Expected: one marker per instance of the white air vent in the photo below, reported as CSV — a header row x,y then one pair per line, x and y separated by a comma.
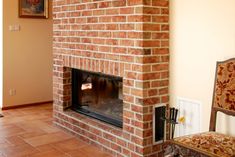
x,y
191,110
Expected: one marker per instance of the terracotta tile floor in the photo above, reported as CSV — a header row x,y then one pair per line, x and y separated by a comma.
x,y
29,132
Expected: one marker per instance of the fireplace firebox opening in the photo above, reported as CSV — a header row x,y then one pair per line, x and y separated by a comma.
x,y
98,95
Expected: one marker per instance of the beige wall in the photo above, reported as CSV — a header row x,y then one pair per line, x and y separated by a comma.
x,y
27,56
202,32
1,53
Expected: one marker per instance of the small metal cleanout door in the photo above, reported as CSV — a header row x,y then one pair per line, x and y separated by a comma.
x,y
191,110
159,127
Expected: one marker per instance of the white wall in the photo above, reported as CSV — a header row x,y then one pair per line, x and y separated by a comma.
x,y
27,57
202,32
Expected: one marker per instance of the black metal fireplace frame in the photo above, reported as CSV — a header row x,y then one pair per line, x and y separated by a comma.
x,y
75,102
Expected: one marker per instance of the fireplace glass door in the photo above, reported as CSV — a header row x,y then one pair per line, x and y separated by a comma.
x,y
98,96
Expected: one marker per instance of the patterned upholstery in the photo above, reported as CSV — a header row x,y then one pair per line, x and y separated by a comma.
x,y
210,143
224,94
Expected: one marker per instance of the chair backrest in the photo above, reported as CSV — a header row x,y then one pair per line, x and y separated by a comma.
x,y
224,91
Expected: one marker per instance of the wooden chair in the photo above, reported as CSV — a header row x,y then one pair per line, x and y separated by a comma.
x,y
212,143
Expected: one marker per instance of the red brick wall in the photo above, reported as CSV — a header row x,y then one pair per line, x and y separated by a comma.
x,y
127,38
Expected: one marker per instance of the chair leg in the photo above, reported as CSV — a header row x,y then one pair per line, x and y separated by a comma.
x,y
213,120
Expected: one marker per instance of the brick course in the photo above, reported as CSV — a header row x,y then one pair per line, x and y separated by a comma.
x,y
126,38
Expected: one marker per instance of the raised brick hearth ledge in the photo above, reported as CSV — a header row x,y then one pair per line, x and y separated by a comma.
x,y
126,38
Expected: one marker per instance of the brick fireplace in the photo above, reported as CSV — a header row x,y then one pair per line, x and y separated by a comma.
x,y
124,38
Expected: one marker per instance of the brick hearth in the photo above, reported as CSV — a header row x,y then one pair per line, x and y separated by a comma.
x,y
126,38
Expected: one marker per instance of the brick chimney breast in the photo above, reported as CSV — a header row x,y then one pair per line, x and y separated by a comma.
x,y
125,38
